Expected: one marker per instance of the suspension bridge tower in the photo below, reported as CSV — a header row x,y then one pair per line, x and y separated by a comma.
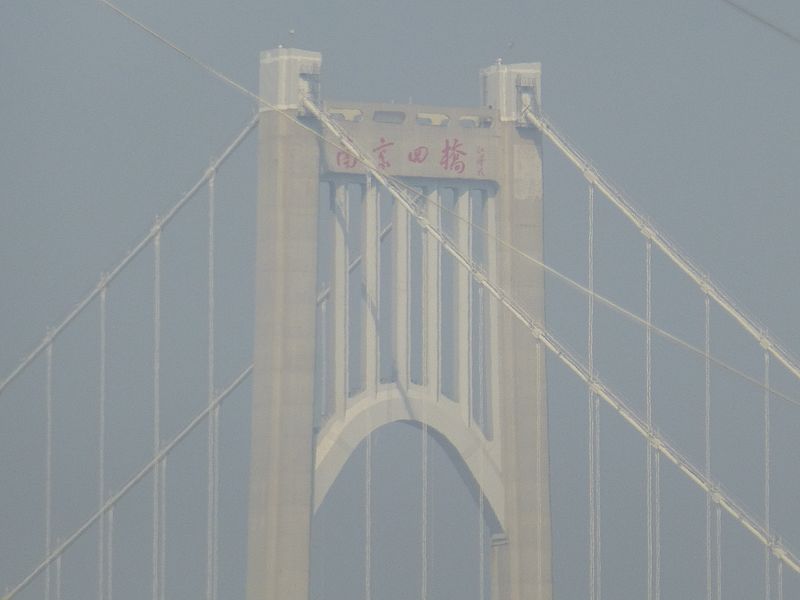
x,y
364,318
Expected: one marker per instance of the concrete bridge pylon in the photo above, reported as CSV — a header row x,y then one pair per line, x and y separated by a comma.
x,y
363,320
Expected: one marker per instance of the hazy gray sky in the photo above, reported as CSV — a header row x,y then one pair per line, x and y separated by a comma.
x,y
688,106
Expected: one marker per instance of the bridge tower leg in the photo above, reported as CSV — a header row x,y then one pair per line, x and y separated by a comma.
x,y
282,419
521,559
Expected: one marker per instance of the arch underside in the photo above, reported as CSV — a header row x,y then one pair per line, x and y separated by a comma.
x,y
343,433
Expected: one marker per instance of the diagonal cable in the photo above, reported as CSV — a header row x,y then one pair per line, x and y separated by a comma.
x,y
785,33
670,250
131,483
551,343
654,438
591,172
587,168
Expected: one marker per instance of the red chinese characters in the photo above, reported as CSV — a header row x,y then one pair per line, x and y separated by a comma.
x,y
453,156
480,161
382,150
345,159
418,154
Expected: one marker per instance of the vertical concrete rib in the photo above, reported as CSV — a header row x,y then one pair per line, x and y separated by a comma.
x,y
369,253
432,297
463,281
401,308
340,350
494,313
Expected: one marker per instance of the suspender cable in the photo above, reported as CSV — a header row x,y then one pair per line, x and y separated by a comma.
x,y
481,541
649,414
428,377
48,465
162,550
368,520
590,441
156,407
594,593
565,356
324,408
58,578
101,454
481,419
424,528
767,551
657,525
370,206
210,393
707,430
590,281
540,429
780,580
110,555
597,513
213,418
718,553
654,457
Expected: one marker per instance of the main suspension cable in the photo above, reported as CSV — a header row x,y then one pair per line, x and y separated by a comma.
x,y
107,278
720,499
588,170
702,280
261,102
